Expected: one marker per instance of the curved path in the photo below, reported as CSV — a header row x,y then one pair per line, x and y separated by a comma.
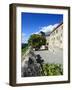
x,y
51,57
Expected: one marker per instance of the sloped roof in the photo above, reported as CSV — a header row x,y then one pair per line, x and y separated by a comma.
x,y
57,27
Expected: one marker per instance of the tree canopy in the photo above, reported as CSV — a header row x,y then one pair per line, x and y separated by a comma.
x,y
36,40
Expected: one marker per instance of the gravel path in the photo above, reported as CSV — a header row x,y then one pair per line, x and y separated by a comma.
x,y
51,57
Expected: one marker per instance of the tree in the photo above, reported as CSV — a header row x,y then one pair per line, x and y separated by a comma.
x,y
36,40
42,33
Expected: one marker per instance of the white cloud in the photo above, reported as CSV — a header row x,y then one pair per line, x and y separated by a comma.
x,y
23,38
23,34
35,32
48,28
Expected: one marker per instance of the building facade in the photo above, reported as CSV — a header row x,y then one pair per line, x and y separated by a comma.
x,y
55,39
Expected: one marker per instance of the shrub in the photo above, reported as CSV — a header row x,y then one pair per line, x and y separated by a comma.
x,y
52,69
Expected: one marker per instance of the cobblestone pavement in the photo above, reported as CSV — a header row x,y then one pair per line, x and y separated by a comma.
x,y
55,57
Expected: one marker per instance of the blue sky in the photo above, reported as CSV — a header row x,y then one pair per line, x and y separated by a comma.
x,y
36,22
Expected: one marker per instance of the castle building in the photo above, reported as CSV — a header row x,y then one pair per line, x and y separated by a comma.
x,y
55,39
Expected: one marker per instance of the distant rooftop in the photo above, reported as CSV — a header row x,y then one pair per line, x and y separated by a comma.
x,y
57,27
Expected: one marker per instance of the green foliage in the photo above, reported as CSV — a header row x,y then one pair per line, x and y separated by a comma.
x,y
52,69
42,33
36,40
24,49
23,45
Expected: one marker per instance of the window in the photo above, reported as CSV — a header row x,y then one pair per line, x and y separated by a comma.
x,y
54,38
58,37
60,41
61,34
62,27
56,31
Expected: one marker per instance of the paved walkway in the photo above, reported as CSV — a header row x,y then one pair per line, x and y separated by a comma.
x,y
51,57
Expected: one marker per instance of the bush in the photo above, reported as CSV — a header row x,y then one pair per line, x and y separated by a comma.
x,y
52,69
24,49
